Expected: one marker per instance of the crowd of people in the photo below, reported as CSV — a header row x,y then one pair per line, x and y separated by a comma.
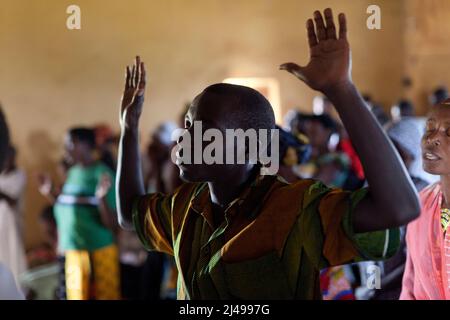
x,y
166,231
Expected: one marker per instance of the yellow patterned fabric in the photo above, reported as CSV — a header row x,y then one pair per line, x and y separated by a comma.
x,y
93,275
445,219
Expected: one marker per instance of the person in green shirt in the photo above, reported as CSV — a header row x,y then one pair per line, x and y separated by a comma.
x,y
238,234
85,218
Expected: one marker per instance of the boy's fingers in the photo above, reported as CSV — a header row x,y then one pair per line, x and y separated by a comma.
x,y
142,78
137,63
342,26
127,77
331,28
133,72
320,26
312,38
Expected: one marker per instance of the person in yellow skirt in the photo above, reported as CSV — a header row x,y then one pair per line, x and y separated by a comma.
x,y
85,217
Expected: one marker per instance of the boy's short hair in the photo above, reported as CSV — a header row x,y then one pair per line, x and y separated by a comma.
x,y
85,135
252,109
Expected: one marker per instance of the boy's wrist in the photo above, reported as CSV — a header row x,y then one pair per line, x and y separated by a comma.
x,y
339,89
130,130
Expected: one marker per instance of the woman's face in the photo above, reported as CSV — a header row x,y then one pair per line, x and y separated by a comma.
x,y
436,141
75,150
318,136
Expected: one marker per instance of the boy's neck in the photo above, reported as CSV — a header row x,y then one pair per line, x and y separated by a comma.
x,y
223,192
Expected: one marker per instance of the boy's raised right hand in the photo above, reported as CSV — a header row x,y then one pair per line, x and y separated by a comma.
x,y
133,95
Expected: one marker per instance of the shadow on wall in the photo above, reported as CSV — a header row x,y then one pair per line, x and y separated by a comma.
x,y
42,156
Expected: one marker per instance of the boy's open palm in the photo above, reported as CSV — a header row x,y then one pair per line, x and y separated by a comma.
x,y
330,62
133,95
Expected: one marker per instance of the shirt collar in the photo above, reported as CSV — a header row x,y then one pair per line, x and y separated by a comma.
x,y
250,197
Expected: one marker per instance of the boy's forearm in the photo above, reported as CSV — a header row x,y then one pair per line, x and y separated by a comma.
x,y
391,189
129,176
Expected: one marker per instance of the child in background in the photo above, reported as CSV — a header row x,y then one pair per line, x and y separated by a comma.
x,y
85,217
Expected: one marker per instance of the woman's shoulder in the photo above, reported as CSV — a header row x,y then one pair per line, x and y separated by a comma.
x,y
430,191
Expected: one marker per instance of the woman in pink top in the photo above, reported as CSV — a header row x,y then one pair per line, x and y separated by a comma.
x,y
427,273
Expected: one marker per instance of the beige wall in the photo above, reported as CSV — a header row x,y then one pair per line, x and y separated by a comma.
x,y
427,47
52,78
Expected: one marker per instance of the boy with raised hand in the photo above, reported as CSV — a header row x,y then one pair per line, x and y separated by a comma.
x,y
236,234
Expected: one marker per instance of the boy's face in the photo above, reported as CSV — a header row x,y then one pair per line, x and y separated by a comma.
x,y
212,111
436,141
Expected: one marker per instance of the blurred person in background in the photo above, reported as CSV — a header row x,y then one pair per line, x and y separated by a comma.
x,y
404,108
106,142
320,129
326,136
12,187
8,285
333,169
427,270
85,217
439,94
292,152
161,173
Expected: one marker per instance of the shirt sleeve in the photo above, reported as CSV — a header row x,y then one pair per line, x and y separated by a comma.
x,y
152,221
329,214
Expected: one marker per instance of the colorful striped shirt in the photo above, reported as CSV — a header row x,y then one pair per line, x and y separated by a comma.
x,y
275,238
